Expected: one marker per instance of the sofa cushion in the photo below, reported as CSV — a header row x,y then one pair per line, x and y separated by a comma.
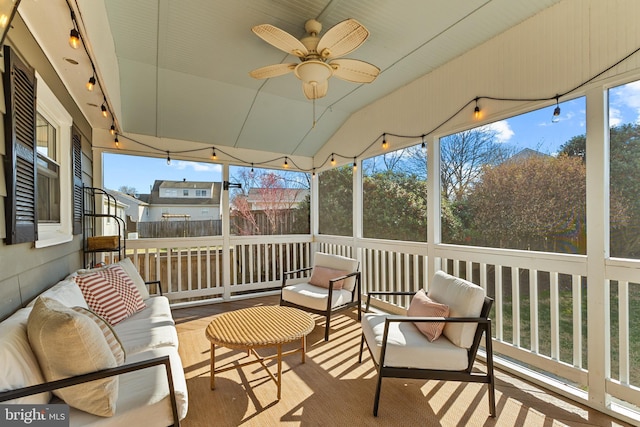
x,y
464,299
423,306
338,262
408,347
321,276
18,363
308,295
109,334
65,291
128,267
68,343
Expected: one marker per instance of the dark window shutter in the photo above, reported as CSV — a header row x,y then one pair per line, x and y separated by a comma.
x,y
77,182
20,159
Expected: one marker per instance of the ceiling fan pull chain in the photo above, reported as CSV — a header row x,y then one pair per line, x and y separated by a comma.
x,y
314,106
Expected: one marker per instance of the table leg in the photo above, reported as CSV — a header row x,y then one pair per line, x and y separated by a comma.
x,y
279,369
304,347
213,366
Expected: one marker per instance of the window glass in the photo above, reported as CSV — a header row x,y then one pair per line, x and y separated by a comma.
x,y
268,201
157,195
48,172
395,195
335,201
517,183
624,170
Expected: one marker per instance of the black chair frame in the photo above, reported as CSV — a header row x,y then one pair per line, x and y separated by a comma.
x,y
467,375
356,297
92,376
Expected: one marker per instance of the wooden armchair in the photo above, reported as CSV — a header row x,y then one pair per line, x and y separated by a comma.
x,y
400,350
334,285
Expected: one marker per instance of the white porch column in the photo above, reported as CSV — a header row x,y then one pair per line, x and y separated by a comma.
x,y
434,235
597,149
226,230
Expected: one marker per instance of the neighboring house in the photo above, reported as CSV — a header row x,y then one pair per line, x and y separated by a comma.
x,y
260,199
135,209
183,200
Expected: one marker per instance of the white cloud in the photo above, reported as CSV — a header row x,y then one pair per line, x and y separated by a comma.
x,y
615,116
502,130
196,167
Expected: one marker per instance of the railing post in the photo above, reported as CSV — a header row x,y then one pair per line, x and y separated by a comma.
x,y
226,231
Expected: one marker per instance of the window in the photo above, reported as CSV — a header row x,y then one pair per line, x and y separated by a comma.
x,y
519,183
394,195
269,202
48,172
335,201
54,167
201,193
185,193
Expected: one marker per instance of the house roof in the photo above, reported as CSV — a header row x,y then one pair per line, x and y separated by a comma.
x,y
280,195
216,190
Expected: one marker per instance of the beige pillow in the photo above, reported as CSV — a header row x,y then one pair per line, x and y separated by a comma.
x,y
321,276
115,345
69,343
423,306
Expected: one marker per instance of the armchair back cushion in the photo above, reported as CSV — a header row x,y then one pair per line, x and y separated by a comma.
x,y
338,262
321,276
464,299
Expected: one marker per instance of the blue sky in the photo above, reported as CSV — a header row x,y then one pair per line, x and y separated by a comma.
x,y
531,130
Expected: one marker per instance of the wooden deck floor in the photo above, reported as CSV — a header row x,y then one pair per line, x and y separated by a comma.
x,y
333,389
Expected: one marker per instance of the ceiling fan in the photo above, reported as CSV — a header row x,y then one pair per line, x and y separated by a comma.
x,y
319,56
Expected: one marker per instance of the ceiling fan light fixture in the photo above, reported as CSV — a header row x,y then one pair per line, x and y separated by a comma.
x,y
313,71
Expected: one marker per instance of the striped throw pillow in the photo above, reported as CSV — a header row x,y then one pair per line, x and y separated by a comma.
x,y
109,334
123,283
102,297
423,306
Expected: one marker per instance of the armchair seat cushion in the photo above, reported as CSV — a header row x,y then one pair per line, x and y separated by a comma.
x,y
407,347
314,297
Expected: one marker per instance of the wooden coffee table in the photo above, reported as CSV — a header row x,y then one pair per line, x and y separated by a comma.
x,y
259,327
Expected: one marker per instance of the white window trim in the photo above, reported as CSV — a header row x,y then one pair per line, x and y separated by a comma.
x,y
53,111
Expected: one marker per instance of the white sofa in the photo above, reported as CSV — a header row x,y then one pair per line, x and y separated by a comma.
x,y
150,388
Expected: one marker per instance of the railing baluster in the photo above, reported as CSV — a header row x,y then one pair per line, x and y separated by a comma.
x,y
623,330
533,310
576,285
554,302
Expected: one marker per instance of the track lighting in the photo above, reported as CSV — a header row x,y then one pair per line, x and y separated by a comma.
x,y
74,38
385,145
214,156
556,113
333,160
112,129
103,108
476,111
91,83
168,158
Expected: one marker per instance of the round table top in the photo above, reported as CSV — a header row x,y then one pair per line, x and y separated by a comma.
x,y
261,326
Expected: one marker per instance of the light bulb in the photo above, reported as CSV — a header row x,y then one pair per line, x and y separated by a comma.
x,y
286,164
476,112
214,156
384,143
168,158
117,142
74,38
112,130
104,111
333,160
556,115
355,165
91,83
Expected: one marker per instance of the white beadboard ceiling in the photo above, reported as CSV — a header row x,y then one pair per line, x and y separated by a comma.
x,y
179,69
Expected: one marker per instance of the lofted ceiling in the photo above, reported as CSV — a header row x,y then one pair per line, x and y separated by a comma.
x,y
180,69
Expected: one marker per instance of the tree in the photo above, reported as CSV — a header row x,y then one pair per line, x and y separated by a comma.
x,y
127,190
335,201
463,157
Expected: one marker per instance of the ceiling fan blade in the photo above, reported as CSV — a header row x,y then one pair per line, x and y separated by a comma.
x,y
280,39
342,38
315,91
272,71
354,70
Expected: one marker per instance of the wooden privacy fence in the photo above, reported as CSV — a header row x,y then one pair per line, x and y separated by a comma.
x,y
160,229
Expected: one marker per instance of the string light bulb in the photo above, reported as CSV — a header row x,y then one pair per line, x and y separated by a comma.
x,y
251,173
112,129
117,142
74,38
333,160
556,112
476,111
385,145
313,173
168,158
91,83
424,144
355,164
286,163
214,156
103,109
